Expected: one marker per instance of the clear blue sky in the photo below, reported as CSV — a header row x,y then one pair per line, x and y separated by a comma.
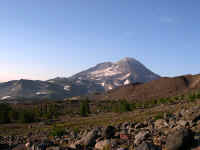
x,y
42,39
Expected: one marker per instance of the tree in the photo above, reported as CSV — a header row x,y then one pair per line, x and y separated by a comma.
x,y
4,118
84,108
13,115
26,116
4,113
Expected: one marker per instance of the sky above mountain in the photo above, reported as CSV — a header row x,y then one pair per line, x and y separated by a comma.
x,y
42,39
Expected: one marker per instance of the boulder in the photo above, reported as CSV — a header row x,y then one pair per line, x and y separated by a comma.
x,y
125,125
139,125
102,144
192,114
53,148
160,123
197,148
183,123
122,149
146,146
180,139
109,132
140,137
172,122
19,147
88,140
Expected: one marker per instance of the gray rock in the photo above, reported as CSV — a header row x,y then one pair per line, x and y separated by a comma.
x,y
146,146
183,123
53,148
102,144
192,114
161,123
139,125
90,139
20,147
125,125
109,132
122,149
140,137
179,140
172,122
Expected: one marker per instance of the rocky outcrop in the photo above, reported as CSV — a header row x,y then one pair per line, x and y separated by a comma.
x,y
173,132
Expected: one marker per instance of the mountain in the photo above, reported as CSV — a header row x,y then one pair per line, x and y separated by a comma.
x,y
161,88
29,89
107,76
100,78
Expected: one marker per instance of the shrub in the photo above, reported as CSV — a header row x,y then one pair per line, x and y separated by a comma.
x,y
163,100
107,147
192,97
176,98
57,131
159,115
198,94
76,130
182,97
121,106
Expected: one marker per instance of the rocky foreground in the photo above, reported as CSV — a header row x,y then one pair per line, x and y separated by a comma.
x,y
177,131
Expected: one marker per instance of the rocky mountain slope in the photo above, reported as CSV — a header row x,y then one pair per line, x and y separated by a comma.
x,y
161,88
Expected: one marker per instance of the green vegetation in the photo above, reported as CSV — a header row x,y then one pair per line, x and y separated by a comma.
x,y
107,147
76,130
8,114
4,113
57,131
193,96
52,110
47,111
26,116
84,108
121,106
159,115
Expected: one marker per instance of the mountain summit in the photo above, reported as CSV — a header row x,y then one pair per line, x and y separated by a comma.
x,y
107,76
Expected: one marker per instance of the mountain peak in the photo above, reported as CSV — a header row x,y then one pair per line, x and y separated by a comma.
x,y
127,59
110,75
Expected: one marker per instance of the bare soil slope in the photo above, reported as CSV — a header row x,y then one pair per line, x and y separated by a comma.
x,y
161,88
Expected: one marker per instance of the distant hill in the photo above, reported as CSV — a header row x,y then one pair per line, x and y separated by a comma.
x,y
29,89
160,88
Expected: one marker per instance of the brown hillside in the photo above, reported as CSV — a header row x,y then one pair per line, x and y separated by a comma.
x,y
163,87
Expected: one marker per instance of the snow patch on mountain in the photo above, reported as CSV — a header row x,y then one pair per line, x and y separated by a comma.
x,y
125,77
127,82
110,71
67,87
5,97
110,87
103,84
41,93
